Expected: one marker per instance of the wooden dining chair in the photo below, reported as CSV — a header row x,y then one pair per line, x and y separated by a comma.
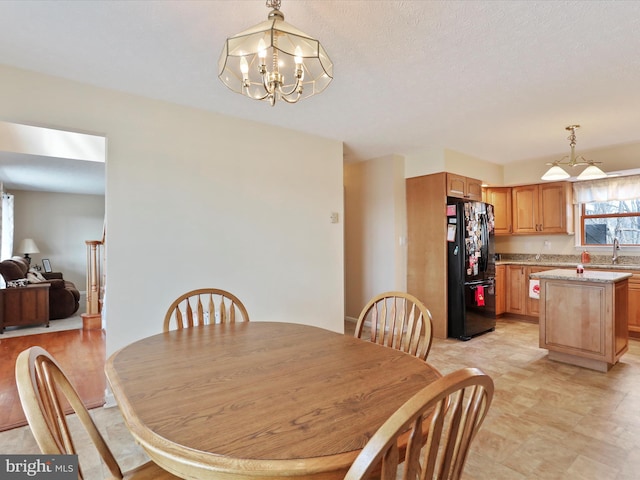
x,y
398,320
45,391
453,407
221,307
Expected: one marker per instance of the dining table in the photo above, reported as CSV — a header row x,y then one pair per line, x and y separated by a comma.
x,y
251,400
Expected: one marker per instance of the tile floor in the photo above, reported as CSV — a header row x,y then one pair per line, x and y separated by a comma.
x,y
548,420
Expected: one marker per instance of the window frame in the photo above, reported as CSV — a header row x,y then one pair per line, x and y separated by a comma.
x,y
584,216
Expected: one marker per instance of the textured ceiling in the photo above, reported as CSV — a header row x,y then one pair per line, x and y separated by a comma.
x,y
498,80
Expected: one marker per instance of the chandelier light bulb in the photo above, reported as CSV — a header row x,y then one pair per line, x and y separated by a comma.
x,y
262,50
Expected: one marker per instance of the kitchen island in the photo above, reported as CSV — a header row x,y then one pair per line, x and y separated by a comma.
x,y
583,316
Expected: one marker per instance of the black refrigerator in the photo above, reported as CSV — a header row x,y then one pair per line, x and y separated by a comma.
x,y
471,268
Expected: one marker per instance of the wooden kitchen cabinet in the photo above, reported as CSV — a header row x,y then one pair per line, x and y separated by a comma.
x,y
516,289
464,187
583,318
533,304
542,208
634,305
633,320
500,198
427,245
501,299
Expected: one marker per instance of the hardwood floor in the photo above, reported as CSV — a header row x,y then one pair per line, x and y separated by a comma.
x,y
80,353
548,420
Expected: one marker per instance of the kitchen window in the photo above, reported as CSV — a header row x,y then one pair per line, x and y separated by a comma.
x,y
604,221
609,208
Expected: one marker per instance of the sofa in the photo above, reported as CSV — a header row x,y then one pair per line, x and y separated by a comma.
x,y
64,297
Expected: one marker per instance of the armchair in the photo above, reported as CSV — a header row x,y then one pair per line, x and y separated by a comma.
x,y
64,297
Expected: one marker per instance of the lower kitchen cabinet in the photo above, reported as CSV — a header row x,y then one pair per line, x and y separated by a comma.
x,y
533,304
633,320
512,285
517,290
515,286
501,293
634,305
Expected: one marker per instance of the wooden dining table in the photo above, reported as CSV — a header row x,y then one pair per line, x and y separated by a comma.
x,y
259,399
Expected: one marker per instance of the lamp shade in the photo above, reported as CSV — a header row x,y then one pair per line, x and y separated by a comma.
x,y
28,246
555,173
246,57
591,173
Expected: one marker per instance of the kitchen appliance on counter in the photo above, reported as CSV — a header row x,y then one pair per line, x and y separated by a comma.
x,y
471,268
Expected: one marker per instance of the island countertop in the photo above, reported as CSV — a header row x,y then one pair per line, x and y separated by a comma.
x,y
587,276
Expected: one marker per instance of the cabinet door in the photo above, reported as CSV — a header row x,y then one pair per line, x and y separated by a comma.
x,y
501,299
634,305
473,189
456,185
464,187
525,209
515,287
533,304
555,209
500,198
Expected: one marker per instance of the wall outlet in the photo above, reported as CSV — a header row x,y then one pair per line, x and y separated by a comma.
x,y
335,217
547,245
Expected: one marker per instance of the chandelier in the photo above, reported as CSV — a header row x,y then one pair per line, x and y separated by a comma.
x,y
274,60
556,172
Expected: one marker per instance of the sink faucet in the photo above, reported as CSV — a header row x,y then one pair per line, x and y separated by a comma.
x,y
616,247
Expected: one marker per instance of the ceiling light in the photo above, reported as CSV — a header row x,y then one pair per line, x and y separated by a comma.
x,y
300,67
556,172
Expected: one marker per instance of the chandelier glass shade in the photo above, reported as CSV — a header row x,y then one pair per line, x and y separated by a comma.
x,y
556,172
274,60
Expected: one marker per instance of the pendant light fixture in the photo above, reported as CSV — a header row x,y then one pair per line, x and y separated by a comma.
x,y
274,60
556,172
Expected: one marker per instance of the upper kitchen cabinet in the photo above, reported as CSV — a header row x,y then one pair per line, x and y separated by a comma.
x,y
464,187
500,198
542,208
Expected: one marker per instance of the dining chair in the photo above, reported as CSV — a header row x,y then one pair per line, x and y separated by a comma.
x,y
45,391
453,408
221,307
398,320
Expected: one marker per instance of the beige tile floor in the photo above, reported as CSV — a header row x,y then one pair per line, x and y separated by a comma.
x,y
548,420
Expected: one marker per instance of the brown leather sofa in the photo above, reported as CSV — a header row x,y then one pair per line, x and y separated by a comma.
x,y
64,297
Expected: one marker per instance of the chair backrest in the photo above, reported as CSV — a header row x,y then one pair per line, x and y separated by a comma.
x,y
398,320
45,392
204,306
454,407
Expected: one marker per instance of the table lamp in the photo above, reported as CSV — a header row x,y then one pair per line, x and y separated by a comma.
x,y
28,246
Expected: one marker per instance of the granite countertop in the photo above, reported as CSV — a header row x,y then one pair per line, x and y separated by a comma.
x,y
598,266
587,276
598,262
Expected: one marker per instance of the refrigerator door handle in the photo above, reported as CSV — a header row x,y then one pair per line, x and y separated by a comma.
x,y
485,243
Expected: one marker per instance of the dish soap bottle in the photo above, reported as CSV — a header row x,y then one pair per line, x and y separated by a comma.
x,y
586,257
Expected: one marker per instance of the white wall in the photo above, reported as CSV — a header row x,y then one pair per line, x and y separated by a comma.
x,y
197,199
59,223
375,223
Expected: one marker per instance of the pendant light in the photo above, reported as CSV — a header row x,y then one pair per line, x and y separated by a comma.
x,y
556,172
275,61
